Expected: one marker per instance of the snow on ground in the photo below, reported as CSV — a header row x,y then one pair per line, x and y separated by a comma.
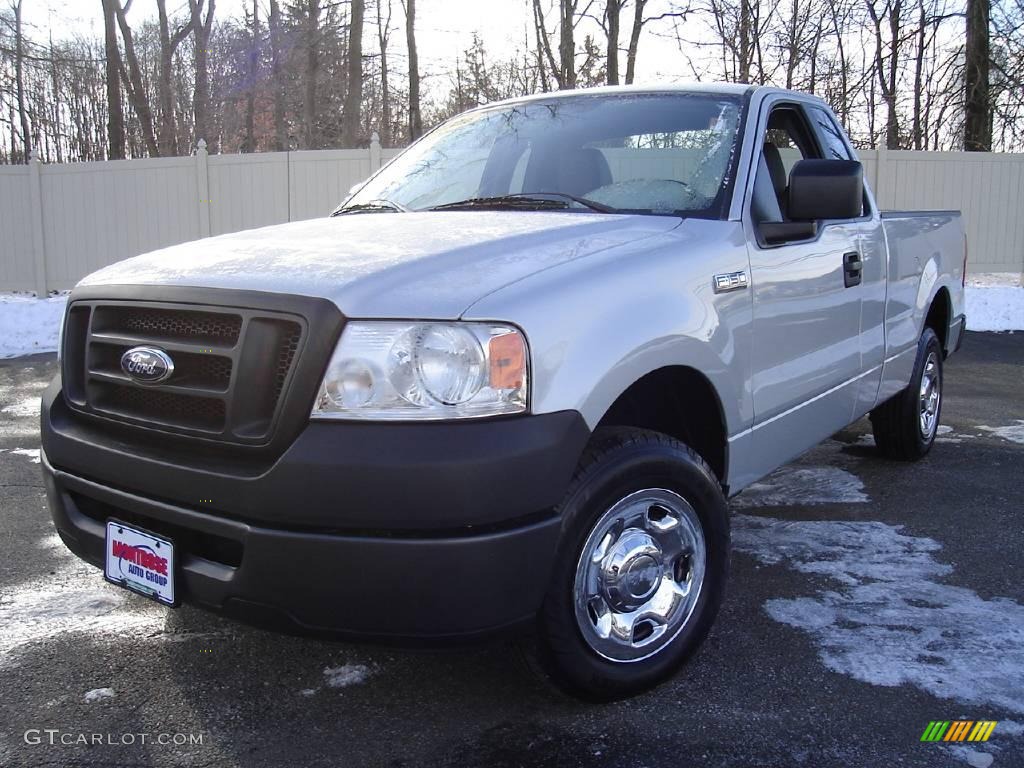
x,y
995,302
973,757
29,325
32,454
98,694
885,617
73,599
346,675
1012,432
797,485
26,408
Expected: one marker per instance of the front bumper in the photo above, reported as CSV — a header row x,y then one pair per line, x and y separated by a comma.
x,y
378,531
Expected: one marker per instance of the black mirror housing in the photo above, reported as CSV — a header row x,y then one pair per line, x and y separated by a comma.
x,y
826,189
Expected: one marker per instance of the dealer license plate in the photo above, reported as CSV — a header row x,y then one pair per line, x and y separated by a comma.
x,y
140,561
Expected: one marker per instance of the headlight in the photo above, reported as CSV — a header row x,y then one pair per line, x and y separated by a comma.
x,y
403,371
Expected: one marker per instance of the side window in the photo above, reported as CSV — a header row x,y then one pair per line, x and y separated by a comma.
x,y
786,141
830,134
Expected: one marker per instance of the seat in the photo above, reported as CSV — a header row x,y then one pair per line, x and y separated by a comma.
x,y
580,171
777,172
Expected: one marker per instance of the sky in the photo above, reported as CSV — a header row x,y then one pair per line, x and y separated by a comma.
x,y
444,28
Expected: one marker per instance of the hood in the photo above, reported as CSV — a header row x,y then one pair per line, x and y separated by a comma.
x,y
430,265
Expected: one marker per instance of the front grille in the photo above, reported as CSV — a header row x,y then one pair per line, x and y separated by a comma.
x,y
231,366
170,324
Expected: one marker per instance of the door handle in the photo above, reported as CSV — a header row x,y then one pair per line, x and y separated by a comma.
x,y
852,269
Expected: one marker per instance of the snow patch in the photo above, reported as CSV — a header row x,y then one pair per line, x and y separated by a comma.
x,y
1013,432
308,691
31,453
798,486
994,307
74,599
98,694
885,618
1010,728
27,408
346,675
973,757
29,325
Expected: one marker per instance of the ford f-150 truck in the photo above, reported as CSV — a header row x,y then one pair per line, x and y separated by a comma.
x,y
510,383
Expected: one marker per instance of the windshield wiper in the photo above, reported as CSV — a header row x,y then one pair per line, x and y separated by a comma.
x,y
373,206
533,201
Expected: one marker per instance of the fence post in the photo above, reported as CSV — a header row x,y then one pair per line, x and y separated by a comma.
x,y
880,180
38,240
375,158
203,188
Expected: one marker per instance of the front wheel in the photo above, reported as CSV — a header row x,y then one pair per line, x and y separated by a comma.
x,y
905,426
642,569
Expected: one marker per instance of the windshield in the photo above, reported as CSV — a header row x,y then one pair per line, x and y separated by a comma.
x,y
637,153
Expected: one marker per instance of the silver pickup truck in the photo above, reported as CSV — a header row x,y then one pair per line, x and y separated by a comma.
x,y
510,383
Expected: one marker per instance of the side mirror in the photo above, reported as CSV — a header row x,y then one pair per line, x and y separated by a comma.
x,y
826,189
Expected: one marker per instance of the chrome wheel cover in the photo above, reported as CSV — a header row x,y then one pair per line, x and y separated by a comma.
x,y
639,575
930,396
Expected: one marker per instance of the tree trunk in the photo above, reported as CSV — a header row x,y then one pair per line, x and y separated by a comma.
x,y
415,119
115,111
277,74
168,131
612,12
250,98
744,43
892,127
136,90
916,123
977,107
19,77
350,122
634,39
309,130
383,33
201,30
567,44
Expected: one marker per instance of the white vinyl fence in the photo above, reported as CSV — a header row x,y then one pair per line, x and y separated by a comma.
x,y
60,222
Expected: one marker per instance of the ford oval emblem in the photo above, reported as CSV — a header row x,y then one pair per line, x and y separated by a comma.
x,y
147,365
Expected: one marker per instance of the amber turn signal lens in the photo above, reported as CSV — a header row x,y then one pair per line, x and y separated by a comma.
x,y
508,361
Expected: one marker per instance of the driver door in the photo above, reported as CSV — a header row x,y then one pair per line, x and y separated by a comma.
x,y
806,353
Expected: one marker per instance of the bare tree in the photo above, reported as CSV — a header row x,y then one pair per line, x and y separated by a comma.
x,y
115,111
311,42
251,73
977,112
383,33
887,20
415,116
612,13
201,30
19,78
354,91
168,46
133,82
563,69
277,63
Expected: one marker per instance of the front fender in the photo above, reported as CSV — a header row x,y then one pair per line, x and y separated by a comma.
x,y
598,325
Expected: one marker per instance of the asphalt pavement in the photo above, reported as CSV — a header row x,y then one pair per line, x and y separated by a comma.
x,y
867,599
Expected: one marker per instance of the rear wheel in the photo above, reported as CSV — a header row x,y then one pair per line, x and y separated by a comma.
x,y
905,426
642,568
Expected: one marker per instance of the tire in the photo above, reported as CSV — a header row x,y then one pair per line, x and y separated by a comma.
x,y
905,425
669,533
